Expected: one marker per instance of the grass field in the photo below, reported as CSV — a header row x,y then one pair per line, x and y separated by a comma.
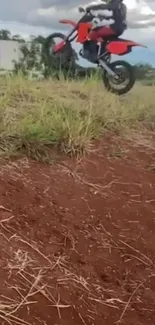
x,y
77,204
67,114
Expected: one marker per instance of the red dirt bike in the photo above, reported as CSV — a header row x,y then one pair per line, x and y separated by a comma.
x,y
118,76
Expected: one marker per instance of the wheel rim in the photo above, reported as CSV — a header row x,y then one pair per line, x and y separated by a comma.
x,y
122,78
58,58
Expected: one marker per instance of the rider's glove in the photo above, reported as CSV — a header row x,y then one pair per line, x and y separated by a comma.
x,y
81,9
88,9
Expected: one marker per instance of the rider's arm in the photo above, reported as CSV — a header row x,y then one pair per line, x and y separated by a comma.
x,y
102,6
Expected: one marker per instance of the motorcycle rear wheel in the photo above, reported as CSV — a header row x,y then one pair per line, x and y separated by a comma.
x,y
125,79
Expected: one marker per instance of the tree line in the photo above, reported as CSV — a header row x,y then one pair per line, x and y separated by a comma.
x,y
34,57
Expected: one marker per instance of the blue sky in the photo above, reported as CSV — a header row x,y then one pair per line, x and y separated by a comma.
x,y
42,16
141,55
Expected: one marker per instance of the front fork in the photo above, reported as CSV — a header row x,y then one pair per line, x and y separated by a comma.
x,y
103,63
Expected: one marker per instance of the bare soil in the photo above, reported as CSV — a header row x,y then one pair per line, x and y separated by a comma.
x,y
77,238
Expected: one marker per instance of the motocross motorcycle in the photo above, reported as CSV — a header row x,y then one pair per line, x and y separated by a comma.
x,y
118,76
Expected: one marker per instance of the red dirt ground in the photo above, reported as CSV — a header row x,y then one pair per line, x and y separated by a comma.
x,y
77,239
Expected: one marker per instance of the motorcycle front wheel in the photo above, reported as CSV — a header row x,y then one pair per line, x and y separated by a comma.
x,y
124,79
64,55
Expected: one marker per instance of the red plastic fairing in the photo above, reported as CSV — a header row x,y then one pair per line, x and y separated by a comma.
x,y
67,21
59,46
83,32
120,47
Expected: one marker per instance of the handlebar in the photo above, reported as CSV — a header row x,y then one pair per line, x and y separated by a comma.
x,y
81,9
87,17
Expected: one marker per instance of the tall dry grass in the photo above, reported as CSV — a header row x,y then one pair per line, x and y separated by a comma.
x,y
35,115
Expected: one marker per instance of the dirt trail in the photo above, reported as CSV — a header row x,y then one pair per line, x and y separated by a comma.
x,y
77,239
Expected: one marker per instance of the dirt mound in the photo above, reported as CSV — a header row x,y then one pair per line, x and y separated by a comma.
x,y
77,239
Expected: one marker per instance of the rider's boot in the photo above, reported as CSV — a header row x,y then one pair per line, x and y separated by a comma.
x,y
90,51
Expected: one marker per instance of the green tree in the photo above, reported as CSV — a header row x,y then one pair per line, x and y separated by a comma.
x,y
142,70
36,57
5,34
31,58
17,38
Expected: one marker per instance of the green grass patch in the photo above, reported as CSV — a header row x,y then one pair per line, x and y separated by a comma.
x,y
66,115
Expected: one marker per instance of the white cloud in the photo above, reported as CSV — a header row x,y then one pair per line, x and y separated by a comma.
x,y
47,12
41,16
140,13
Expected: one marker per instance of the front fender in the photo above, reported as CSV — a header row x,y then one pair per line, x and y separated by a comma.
x,y
68,22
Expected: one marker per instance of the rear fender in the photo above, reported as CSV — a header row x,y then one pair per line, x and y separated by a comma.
x,y
121,46
68,22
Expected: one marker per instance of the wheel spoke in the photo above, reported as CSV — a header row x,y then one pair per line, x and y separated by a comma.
x,y
124,79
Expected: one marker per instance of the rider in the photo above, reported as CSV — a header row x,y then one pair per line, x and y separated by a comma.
x,y
110,21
